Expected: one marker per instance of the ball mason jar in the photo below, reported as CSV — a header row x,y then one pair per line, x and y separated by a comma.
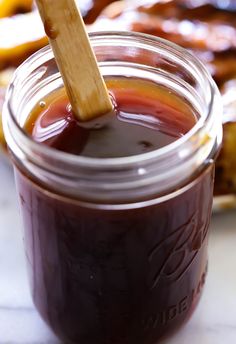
x,y
117,248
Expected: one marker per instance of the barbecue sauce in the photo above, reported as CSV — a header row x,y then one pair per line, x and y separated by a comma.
x,y
115,276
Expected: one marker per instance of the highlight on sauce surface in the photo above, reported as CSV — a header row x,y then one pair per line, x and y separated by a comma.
x,y
146,117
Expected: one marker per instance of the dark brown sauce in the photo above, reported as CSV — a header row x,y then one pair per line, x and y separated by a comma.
x,y
141,122
108,276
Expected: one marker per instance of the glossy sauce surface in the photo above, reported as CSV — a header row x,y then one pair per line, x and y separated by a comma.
x,y
145,117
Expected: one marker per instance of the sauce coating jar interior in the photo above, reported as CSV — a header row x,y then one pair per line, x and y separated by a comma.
x,y
117,248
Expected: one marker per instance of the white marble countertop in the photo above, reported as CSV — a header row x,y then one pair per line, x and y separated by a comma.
x,y
214,321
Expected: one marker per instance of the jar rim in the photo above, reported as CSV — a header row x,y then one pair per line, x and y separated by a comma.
x,y
115,161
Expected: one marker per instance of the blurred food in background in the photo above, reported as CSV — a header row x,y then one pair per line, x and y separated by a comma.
x,y
11,7
205,27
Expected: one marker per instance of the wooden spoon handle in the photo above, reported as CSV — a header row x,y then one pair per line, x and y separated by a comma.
x,y
75,58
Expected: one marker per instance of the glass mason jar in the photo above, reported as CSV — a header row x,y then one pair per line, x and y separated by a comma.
x,y
117,248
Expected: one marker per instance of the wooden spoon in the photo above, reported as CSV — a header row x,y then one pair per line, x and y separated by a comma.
x,y
75,58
